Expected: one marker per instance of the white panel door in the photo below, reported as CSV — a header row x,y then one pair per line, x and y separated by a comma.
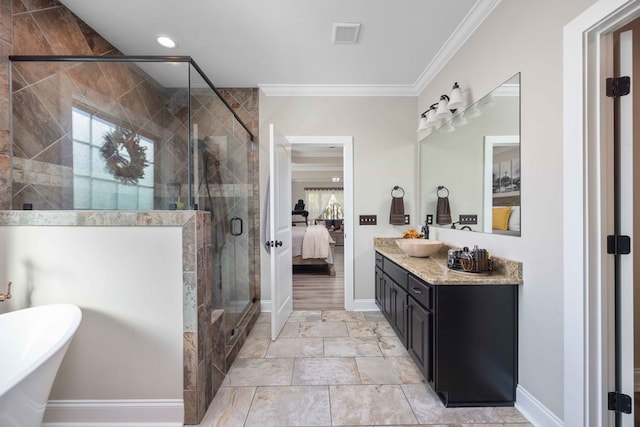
x,y
280,228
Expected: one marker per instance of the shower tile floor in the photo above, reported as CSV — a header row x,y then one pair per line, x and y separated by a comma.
x,y
335,368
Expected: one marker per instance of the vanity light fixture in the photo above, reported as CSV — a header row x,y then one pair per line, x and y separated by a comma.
x,y
166,41
427,119
443,108
455,99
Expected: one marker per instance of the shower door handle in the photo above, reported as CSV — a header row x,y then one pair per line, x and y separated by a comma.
x,y
233,220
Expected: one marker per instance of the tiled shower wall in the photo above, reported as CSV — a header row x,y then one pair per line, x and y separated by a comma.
x,y
45,27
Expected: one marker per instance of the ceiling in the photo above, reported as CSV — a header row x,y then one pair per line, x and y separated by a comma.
x,y
262,43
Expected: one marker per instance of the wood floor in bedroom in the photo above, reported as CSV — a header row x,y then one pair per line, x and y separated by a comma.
x,y
315,290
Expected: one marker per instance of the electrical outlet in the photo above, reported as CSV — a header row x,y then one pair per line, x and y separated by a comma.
x,y
368,219
468,219
407,219
429,219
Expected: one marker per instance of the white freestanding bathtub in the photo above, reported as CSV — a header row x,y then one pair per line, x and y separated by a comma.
x,y
33,342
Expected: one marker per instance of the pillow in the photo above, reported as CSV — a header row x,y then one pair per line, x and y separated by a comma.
x,y
501,217
514,218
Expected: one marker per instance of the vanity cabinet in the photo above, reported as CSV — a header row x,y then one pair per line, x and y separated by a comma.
x,y
462,337
391,296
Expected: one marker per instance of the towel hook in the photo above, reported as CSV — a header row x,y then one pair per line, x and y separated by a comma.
x,y
442,187
395,188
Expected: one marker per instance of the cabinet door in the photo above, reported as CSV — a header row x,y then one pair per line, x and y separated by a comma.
x,y
419,337
379,279
399,314
386,286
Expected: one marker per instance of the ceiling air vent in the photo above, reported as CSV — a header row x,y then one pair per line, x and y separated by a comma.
x,y
345,33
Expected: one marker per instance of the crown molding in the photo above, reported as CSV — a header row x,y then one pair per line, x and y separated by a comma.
x,y
476,16
468,26
337,90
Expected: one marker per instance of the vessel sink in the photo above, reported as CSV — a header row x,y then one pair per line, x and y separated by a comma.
x,y
420,248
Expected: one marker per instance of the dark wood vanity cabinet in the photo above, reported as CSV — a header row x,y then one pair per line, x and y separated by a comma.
x,y
462,337
391,296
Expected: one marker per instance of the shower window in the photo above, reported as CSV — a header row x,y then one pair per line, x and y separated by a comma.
x,y
94,184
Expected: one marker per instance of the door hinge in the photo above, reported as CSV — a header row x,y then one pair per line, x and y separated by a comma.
x,y
619,402
618,245
618,86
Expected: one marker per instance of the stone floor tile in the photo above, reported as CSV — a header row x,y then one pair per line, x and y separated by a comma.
x,y
323,329
295,347
229,408
510,414
430,410
374,316
290,406
342,316
370,404
263,317
254,348
262,329
305,316
370,329
392,346
325,371
389,370
351,347
290,330
259,372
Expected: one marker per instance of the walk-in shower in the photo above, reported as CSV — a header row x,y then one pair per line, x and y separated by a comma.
x,y
138,134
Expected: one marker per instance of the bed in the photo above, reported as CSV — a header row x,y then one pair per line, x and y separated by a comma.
x,y
313,246
506,215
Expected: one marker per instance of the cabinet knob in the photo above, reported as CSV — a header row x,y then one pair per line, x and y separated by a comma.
x,y
416,291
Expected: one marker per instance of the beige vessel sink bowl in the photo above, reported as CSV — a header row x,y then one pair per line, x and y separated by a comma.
x,y
420,248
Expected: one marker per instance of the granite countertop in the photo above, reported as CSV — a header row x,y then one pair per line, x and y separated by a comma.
x,y
434,269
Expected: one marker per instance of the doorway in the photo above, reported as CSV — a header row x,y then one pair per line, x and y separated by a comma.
x,y
590,216
325,162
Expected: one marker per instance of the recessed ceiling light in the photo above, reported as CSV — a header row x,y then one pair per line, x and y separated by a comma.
x,y
166,41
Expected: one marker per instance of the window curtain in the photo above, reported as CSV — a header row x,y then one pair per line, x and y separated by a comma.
x,y
324,203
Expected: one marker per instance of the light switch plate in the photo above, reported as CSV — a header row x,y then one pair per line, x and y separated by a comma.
x,y
407,219
368,219
468,219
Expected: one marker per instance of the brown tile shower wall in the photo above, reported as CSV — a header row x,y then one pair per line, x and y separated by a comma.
x,y
45,27
43,156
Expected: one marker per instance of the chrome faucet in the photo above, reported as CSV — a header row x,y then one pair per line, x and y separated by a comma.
x,y
6,296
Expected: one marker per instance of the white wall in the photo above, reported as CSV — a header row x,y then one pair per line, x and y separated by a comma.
x,y
524,36
127,282
384,147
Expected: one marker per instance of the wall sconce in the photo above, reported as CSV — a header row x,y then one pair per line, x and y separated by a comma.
x,y
442,110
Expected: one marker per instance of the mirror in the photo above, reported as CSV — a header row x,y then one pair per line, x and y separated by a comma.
x,y
475,158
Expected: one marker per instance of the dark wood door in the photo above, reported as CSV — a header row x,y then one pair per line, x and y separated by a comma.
x,y
419,337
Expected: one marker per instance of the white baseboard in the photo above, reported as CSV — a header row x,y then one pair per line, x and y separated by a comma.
x,y
114,413
365,305
636,380
534,411
265,306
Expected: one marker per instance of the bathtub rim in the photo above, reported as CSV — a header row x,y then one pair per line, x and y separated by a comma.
x,y
75,317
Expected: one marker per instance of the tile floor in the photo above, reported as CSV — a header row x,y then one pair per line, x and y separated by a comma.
x,y
335,368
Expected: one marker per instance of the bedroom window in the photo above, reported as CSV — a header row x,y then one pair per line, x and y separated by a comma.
x,y
94,187
325,203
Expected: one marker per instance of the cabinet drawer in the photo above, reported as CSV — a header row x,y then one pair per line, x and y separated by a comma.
x,y
396,273
422,292
379,260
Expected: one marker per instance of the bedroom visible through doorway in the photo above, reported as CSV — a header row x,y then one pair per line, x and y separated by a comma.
x,y
317,192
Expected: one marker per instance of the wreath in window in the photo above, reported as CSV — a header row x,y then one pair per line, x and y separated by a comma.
x,y
125,157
